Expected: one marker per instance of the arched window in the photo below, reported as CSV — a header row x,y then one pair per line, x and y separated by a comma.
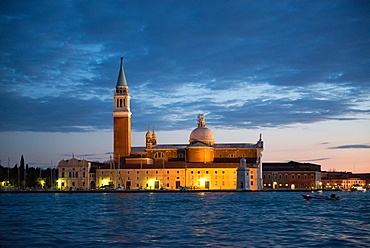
x,y
159,155
231,155
181,155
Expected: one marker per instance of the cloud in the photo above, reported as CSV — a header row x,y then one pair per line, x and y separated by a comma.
x,y
351,147
317,159
59,68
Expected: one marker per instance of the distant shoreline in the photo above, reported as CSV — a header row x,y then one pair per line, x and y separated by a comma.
x,y
140,191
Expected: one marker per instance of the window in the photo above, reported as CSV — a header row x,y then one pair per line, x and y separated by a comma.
x,y
156,172
73,184
83,174
128,172
191,172
146,172
63,184
206,172
269,176
232,155
177,172
198,172
168,172
286,176
159,155
177,177
292,176
137,172
305,176
280,176
223,172
299,176
264,176
76,173
215,172
63,174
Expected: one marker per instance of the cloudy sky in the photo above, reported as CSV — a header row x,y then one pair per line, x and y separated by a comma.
x,y
296,71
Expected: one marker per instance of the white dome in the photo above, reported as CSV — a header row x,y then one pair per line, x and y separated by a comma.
x,y
202,134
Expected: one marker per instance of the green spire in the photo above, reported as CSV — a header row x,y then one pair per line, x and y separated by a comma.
x,y
121,81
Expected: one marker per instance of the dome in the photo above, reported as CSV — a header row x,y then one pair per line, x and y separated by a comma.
x,y
202,133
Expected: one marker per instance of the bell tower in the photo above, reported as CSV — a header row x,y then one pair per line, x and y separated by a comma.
x,y
121,117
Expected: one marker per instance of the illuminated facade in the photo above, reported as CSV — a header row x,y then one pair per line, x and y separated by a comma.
x,y
291,176
202,163
73,173
199,164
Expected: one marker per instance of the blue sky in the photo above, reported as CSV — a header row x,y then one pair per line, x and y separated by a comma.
x,y
296,71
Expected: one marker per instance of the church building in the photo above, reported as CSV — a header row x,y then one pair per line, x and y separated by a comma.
x,y
199,163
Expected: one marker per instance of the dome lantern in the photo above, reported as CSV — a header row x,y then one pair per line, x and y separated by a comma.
x,y
202,133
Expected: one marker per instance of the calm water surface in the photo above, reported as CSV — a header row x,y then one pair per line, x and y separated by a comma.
x,y
262,219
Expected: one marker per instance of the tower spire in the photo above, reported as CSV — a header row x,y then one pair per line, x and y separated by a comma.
x,y
121,81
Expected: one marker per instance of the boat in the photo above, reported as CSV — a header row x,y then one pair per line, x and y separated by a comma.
x,y
358,188
333,197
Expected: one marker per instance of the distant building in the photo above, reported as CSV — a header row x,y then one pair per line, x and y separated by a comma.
x,y
291,176
77,174
344,180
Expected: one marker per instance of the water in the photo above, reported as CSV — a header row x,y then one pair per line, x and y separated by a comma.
x,y
259,219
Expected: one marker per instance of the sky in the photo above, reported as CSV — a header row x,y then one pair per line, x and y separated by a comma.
x,y
296,71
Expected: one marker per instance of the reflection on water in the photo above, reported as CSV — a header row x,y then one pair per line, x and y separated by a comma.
x,y
184,219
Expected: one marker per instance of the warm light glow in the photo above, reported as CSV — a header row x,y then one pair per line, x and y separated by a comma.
x,y
42,182
105,181
202,181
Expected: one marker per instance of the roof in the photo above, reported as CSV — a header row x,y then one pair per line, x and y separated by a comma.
x,y
199,144
236,145
170,146
121,81
290,166
183,146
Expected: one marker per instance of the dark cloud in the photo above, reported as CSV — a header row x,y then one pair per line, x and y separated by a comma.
x,y
59,62
316,159
351,147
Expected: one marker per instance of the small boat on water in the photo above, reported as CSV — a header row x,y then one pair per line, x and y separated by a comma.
x,y
333,197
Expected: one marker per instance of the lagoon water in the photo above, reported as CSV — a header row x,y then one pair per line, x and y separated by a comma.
x,y
258,219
